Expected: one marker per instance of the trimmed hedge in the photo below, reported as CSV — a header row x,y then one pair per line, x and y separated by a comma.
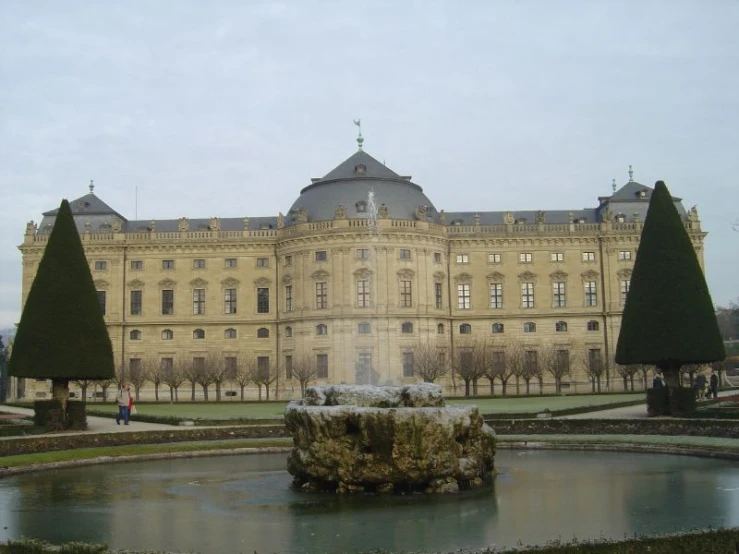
x,y
48,414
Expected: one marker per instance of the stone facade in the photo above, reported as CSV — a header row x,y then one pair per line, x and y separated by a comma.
x,y
328,284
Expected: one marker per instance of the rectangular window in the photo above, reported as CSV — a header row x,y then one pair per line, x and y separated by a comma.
x,y
498,363
230,262
166,364
494,258
624,255
288,366
595,361
407,364
525,257
364,329
465,361
288,260
437,257
137,265
101,265
406,298
263,367
463,297
198,263
321,256
563,361
322,366
588,256
288,298
438,302
229,301
557,256
198,364
167,302
531,362
262,262
527,295
262,300
405,254
198,301
321,296
101,301
559,296
230,365
591,294
625,286
167,264
496,295
463,258
134,369
136,302
363,253
363,294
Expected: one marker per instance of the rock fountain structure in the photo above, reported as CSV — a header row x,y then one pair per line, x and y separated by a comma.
x,y
363,438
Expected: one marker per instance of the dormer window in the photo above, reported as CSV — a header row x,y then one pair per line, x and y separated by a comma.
x,y
361,206
620,218
580,220
360,169
521,221
457,222
642,194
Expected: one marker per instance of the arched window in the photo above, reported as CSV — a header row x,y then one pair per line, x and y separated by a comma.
x,y
498,328
440,328
406,327
321,329
363,329
262,333
288,332
135,335
560,327
593,325
167,334
529,327
465,329
229,334
198,334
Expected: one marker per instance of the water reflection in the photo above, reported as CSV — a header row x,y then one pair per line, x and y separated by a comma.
x,y
231,504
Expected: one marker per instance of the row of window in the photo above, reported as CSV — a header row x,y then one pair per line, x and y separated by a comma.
x,y
198,301
364,254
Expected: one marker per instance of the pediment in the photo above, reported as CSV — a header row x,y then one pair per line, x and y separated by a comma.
x,y
406,273
495,276
558,275
439,275
527,276
230,282
101,284
135,284
590,274
199,283
463,278
363,273
167,283
319,275
262,282
287,279
624,273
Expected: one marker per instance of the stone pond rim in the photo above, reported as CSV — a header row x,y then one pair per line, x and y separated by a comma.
x,y
364,438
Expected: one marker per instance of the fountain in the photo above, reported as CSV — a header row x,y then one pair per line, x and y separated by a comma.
x,y
363,438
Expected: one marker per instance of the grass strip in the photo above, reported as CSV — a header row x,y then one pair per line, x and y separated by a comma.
x,y
23,460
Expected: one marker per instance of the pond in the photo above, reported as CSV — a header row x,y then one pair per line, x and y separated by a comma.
x,y
245,504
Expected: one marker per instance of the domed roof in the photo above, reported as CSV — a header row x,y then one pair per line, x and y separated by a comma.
x,y
349,184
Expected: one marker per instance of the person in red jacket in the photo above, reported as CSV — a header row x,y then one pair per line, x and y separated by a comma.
x,y
125,403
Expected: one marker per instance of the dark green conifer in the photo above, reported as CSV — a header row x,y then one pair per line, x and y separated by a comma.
x,y
669,319
62,335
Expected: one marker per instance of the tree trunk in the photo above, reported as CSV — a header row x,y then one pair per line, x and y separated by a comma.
x,y
156,392
466,387
205,392
242,392
218,391
518,386
492,386
60,392
171,394
528,387
504,386
192,391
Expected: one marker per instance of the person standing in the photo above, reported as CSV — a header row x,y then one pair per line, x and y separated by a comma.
x,y
657,382
714,384
125,401
700,386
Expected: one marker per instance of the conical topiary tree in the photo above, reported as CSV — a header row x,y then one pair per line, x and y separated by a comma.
x,y
669,319
62,335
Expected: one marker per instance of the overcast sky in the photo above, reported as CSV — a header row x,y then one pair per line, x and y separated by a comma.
x,y
229,108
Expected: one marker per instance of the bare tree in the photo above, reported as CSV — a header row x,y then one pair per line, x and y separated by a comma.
x,y
156,376
139,374
215,363
627,373
244,374
304,370
190,371
206,368
591,360
174,376
556,361
83,384
264,375
429,362
688,370
105,384
515,359
471,363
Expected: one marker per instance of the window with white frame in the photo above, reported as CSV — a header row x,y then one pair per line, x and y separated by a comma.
x,y
498,328
321,329
527,295
463,258
588,256
288,298
229,333
363,253
229,301
463,296
363,293
593,325
438,297
525,257
404,254
557,256
494,258
321,256
198,263
406,297
591,293
321,296
496,295
363,328
560,327
529,327
625,286
624,255
407,364
198,301
559,294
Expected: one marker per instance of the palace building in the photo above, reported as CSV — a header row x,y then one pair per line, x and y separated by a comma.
x,y
361,274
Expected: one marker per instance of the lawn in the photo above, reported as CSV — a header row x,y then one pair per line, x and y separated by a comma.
x,y
275,410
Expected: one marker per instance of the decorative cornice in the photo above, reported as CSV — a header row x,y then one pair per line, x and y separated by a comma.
x,y
319,275
495,276
167,283
262,282
287,279
363,273
589,275
198,283
439,275
558,275
135,284
101,284
624,273
230,282
463,278
527,276
406,273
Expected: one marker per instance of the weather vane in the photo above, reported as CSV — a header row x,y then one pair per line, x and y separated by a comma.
x,y
360,138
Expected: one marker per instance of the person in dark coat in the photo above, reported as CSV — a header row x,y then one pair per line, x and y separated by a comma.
x,y
714,384
657,382
700,386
